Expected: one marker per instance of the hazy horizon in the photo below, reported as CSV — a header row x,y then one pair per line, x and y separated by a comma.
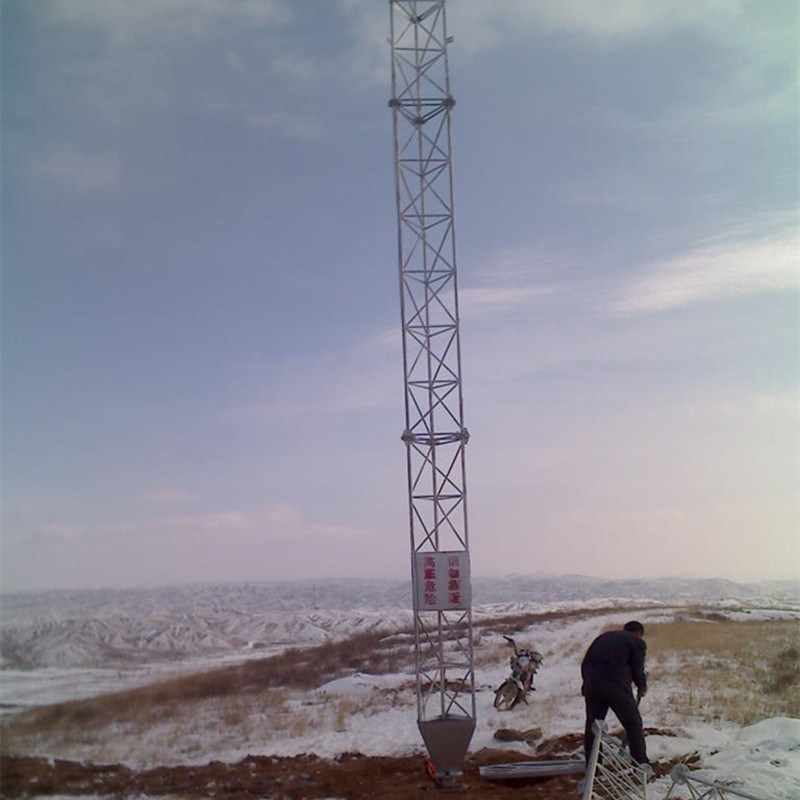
x,y
399,579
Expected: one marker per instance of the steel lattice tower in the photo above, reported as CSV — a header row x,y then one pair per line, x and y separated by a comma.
x,y
435,435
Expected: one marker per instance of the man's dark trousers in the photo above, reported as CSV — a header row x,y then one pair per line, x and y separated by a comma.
x,y
602,695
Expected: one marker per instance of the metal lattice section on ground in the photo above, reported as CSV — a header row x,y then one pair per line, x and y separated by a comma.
x,y
700,788
531,769
610,772
434,435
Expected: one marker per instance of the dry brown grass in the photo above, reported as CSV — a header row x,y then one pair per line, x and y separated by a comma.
x,y
726,670
243,701
702,666
518,624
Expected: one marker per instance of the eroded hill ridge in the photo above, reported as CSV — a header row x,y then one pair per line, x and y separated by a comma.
x,y
124,627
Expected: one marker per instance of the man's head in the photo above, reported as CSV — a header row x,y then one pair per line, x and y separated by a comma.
x,y
634,627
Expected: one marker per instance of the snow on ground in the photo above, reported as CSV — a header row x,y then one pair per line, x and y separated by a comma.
x,y
26,688
376,715
764,756
762,759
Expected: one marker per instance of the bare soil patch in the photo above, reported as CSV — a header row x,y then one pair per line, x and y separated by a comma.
x,y
351,776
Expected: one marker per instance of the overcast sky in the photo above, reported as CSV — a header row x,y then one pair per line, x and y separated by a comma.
x,y
202,375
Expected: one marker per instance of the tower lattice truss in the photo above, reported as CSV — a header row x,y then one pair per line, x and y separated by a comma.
x,y
435,435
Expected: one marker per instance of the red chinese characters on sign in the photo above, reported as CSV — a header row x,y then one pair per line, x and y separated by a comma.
x,y
454,580
442,581
429,563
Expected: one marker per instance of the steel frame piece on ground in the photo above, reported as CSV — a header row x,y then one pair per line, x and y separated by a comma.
x,y
701,788
611,774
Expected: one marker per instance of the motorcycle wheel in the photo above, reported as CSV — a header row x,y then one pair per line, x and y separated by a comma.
x,y
507,696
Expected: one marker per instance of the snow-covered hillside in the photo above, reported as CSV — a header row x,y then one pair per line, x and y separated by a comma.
x,y
120,629
67,645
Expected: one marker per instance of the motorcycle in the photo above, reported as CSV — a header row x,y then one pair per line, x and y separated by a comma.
x,y
525,664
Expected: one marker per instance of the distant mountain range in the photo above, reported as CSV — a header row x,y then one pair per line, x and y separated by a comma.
x,y
125,627
561,588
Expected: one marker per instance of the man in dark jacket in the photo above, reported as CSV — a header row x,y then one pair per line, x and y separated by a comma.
x,y
613,662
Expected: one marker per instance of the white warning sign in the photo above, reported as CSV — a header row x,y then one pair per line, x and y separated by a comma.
x,y
442,581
